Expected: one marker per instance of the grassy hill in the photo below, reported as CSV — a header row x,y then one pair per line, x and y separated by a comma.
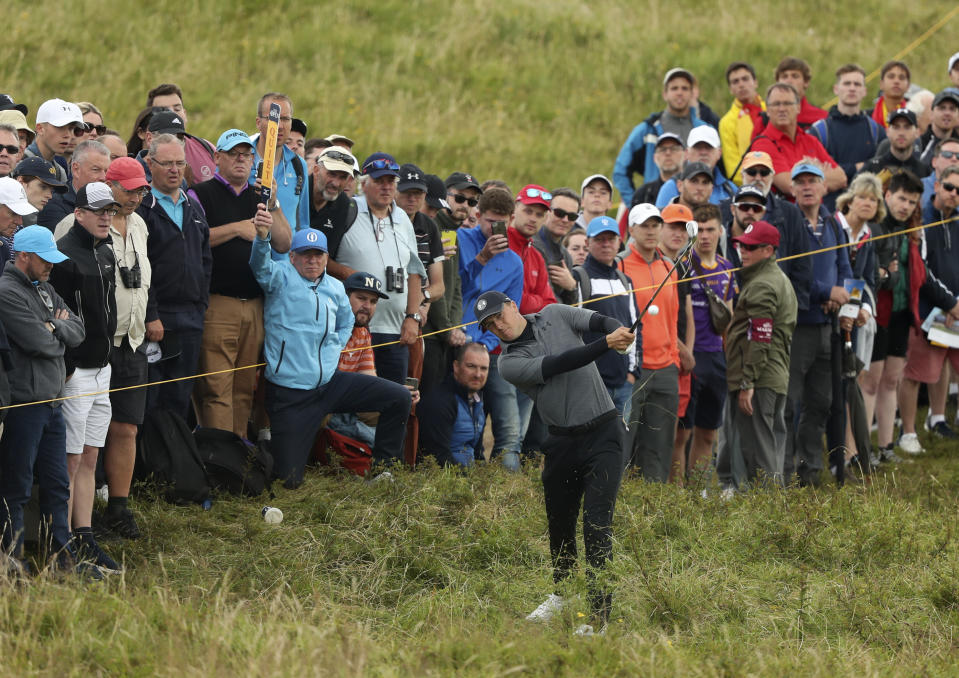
x,y
431,576
524,91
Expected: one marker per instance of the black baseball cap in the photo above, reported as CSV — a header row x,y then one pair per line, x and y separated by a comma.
x,y
750,191
411,177
166,122
365,282
436,192
42,170
489,304
298,125
902,113
462,180
948,94
7,103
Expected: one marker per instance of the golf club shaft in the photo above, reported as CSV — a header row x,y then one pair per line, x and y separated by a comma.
x,y
679,257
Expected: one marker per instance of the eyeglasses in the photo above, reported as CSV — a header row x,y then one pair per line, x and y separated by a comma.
x,y
749,248
950,155
168,164
99,129
9,148
142,191
753,207
283,118
563,214
760,171
379,164
103,211
781,104
238,155
536,193
669,148
950,188
459,198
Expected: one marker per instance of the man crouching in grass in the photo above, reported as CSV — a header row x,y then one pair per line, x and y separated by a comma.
x,y
545,357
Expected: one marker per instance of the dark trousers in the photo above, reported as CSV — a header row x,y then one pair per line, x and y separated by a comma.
x,y
762,436
34,437
584,468
652,421
393,361
437,356
175,396
808,402
296,416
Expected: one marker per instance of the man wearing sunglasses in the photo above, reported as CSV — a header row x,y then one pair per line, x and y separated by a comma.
x,y
86,281
758,346
462,194
945,155
58,121
563,214
89,162
39,327
9,149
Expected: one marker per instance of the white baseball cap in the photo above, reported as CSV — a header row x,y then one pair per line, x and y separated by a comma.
x,y
593,177
59,113
13,196
952,62
703,134
642,213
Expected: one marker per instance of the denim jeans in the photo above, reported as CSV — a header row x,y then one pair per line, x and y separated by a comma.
x,y
620,395
34,437
499,397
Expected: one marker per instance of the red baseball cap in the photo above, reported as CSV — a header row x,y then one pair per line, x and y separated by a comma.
x,y
128,173
532,194
759,233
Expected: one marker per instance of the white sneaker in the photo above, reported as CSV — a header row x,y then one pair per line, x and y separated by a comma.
x,y
727,493
587,630
909,443
547,609
385,476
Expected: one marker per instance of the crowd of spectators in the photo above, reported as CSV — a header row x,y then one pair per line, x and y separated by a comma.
x,y
769,345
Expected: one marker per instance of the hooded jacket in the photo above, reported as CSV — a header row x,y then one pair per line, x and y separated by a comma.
x,y
537,292
307,323
86,282
36,353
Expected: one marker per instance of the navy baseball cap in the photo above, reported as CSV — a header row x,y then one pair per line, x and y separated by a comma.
x,y
38,240
601,225
37,167
365,282
462,181
489,304
379,165
8,104
308,239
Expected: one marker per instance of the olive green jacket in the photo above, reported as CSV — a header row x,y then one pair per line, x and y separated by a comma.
x,y
760,335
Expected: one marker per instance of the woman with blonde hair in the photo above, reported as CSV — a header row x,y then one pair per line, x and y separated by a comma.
x,y
858,210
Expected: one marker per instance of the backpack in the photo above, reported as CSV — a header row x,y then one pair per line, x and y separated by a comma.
x,y
167,452
234,465
351,454
586,287
822,132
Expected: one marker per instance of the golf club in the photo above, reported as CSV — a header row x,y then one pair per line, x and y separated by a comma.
x,y
692,230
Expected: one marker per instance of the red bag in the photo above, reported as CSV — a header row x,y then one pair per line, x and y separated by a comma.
x,y
332,448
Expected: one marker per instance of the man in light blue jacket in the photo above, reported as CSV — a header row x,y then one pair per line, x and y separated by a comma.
x,y
308,321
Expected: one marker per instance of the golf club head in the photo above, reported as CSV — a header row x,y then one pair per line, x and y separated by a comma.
x,y
692,229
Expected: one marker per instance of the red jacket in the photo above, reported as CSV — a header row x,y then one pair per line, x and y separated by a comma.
x,y
808,114
537,292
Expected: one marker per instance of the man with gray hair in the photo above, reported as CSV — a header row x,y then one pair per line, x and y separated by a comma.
x,y
180,257
89,163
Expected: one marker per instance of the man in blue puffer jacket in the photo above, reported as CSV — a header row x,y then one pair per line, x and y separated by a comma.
x,y
308,321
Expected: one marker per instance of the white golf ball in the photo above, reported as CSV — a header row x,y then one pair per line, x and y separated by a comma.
x,y
653,309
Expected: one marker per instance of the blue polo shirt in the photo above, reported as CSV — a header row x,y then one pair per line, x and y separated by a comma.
x,y
174,210
285,175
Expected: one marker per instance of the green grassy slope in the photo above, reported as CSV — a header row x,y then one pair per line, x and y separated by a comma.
x,y
524,91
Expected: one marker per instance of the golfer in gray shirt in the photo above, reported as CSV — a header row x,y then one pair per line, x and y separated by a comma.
x,y
545,357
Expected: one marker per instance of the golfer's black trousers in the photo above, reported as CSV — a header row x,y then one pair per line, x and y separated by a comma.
x,y
584,466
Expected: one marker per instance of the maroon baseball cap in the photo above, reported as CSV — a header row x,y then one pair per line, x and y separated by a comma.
x,y
759,233
533,194
127,172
